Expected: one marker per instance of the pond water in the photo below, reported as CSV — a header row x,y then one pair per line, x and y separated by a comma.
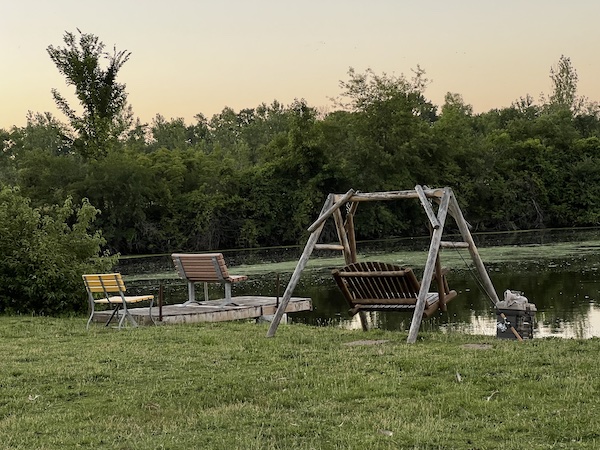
x,y
565,287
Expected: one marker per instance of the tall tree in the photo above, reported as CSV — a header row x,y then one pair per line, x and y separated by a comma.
x,y
564,84
105,114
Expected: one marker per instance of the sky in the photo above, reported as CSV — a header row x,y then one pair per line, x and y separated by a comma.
x,y
196,56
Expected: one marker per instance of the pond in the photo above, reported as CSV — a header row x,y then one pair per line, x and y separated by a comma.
x,y
556,270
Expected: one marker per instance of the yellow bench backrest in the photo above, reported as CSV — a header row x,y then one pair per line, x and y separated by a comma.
x,y
106,282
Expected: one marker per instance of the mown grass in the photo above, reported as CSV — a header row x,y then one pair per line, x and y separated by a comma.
x,y
226,386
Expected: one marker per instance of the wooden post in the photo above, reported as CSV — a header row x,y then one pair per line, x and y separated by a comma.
x,y
439,277
364,321
308,248
466,236
335,247
324,215
427,206
434,248
161,297
349,226
440,284
348,240
342,236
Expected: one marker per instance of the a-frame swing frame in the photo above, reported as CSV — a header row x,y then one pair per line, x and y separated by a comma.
x,y
447,204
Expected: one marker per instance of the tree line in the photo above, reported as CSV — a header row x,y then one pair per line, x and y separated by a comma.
x,y
259,176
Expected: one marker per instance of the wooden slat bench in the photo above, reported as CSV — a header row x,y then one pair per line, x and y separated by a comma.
x,y
376,286
100,287
205,268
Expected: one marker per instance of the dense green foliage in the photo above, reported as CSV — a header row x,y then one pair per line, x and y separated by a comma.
x,y
44,253
258,177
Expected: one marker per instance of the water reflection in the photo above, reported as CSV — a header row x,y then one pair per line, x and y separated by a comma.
x,y
565,290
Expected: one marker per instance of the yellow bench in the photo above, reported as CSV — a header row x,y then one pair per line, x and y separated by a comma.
x,y
100,287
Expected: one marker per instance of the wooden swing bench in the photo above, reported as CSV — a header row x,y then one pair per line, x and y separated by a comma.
x,y
378,286
387,287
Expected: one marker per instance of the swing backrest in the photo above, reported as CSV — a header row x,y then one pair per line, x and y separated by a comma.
x,y
377,282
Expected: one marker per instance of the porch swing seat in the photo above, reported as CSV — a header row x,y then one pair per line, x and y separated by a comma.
x,y
378,286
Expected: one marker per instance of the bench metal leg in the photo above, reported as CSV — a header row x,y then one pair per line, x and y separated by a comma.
x,y
87,326
150,311
112,316
191,295
191,292
227,300
127,315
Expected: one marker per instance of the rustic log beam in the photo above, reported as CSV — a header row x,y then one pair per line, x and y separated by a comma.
x,y
394,195
390,273
336,247
324,216
349,226
439,278
449,244
476,258
434,249
427,206
342,236
308,248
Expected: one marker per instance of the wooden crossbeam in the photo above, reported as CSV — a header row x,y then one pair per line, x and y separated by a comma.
x,y
449,244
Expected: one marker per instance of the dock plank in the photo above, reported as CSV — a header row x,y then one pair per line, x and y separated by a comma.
x,y
241,308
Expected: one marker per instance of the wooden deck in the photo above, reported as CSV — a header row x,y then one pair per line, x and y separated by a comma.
x,y
243,307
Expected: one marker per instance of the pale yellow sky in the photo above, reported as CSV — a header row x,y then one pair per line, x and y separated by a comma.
x,y
192,57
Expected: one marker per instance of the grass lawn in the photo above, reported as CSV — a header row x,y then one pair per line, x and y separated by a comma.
x,y
226,386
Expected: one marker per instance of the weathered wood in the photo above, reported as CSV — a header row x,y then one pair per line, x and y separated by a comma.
x,y
243,307
349,226
329,247
427,207
342,236
308,249
209,267
439,278
394,195
454,211
429,310
204,268
434,248
294,280
346,234
364,320
450,244
476,258
325,215
379,286
377,274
